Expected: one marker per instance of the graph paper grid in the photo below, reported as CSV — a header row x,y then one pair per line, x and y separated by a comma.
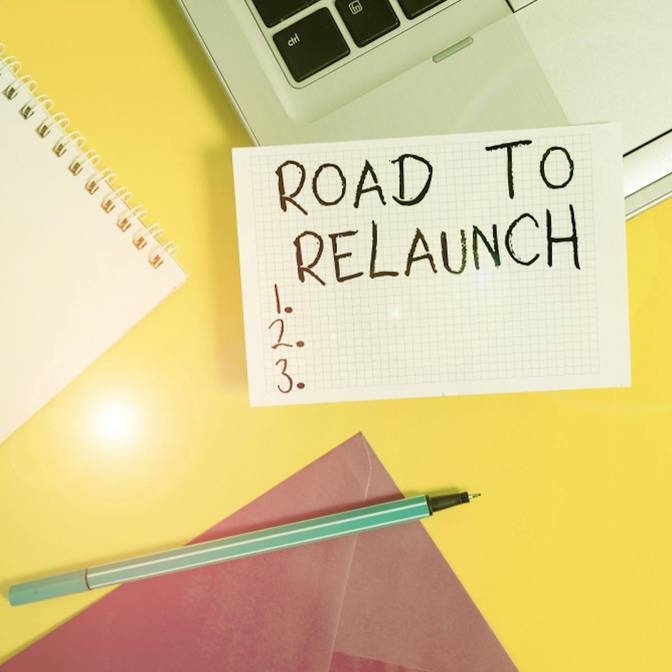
x,y
500,328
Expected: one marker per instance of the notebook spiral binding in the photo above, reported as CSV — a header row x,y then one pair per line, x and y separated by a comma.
x,y
82,164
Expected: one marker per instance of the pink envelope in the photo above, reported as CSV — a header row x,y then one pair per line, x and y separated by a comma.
x,y
383,601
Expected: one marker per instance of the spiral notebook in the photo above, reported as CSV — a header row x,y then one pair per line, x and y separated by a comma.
x,y
78,268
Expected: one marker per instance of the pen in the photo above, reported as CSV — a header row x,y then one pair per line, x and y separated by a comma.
x,y
238,546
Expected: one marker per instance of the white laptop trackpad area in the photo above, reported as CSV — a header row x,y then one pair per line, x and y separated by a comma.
x,y
606,60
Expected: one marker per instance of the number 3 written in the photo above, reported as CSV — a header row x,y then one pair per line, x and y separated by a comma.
x,y
289,382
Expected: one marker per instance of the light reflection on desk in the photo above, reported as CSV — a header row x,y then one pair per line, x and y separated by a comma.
x,y
115,423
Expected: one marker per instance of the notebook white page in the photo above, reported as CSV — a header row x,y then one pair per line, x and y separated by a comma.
x,y
324,323
71,282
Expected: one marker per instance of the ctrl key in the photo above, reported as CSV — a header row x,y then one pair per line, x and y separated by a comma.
x,y
311,44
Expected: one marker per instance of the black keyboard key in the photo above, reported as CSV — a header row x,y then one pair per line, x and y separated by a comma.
x,y
311,44
367,20
274,11
413,8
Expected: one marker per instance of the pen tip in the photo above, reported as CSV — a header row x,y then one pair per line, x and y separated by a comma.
x,y
473,495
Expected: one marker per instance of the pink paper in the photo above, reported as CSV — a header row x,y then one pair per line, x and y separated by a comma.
x,y
383,601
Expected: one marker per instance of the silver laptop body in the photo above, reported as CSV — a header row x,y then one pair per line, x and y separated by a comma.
x,y
321,70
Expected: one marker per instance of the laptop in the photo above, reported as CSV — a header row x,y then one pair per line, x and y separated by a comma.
x,y
325,70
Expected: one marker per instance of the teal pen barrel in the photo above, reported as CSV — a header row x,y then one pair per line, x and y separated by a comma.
x,y
261,541
228,548
43,589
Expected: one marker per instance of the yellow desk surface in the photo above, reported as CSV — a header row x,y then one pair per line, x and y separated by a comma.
x,y
568,554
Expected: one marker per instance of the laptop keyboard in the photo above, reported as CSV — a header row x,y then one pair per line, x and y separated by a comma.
x,y
315,41
311,44
373,20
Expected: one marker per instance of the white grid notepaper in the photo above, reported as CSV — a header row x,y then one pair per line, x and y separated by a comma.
x,y
499,328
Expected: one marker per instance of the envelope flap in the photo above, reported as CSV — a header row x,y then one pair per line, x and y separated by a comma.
x,y
384,601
